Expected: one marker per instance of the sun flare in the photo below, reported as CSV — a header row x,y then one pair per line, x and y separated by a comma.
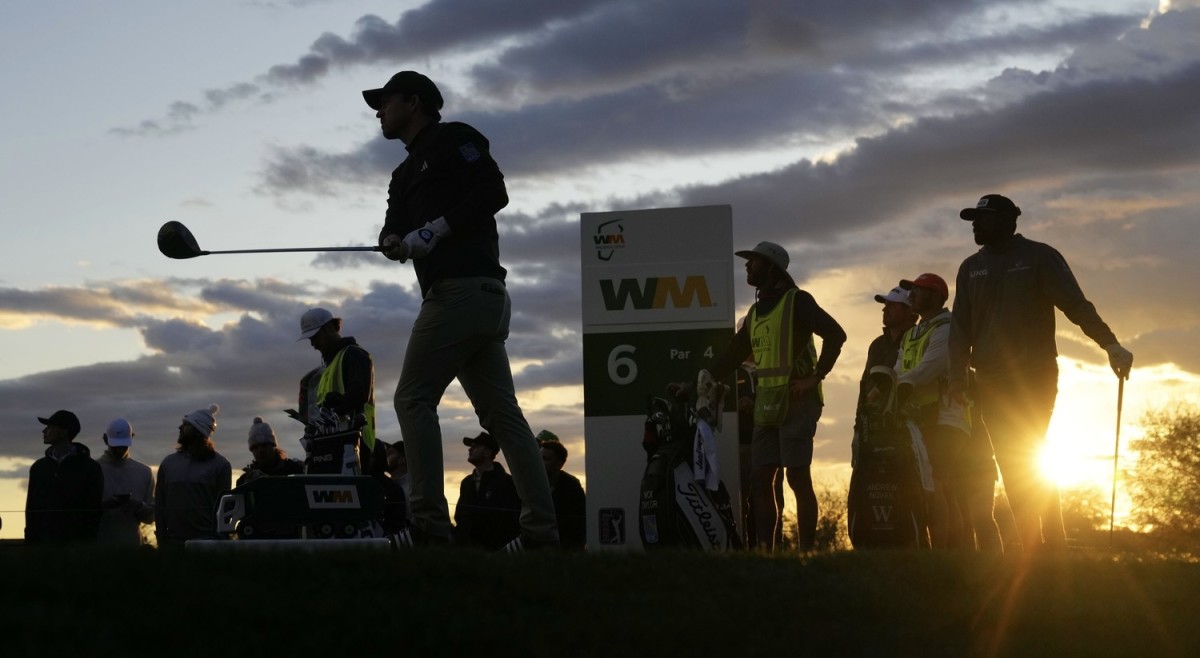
x,y
1067,467
1079,442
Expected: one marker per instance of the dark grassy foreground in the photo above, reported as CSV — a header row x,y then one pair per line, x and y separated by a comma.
x,y
451,603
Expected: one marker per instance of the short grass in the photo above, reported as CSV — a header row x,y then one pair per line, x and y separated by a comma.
x,y
464,603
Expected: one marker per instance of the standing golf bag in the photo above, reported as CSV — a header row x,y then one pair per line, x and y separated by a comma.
x,y
333,454
886,504
677,510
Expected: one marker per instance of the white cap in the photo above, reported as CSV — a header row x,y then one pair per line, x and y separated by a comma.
x,y
897,294
312,321
119,433
775,254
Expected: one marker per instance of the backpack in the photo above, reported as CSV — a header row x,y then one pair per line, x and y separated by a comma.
x,y
674,509
886,504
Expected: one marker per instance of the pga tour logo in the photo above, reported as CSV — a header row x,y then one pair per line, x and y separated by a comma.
x,y
332,497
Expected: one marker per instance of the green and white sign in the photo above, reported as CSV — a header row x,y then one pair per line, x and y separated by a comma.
x,y
657,308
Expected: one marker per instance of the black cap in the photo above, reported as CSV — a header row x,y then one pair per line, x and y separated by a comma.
x,y
408,82
483,439
64,419
991,205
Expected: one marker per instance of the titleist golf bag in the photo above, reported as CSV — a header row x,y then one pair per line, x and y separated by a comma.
x,y
886,504
680,507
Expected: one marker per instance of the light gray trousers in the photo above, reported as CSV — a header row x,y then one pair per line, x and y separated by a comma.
x,y
460,332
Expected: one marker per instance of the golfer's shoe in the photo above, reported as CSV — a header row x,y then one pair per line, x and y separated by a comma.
x,y
413,537
525,543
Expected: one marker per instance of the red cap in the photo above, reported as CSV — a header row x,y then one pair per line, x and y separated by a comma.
x,y
930,281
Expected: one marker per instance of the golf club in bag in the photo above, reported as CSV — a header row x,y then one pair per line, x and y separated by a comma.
x,y
885,506
176,241
677,509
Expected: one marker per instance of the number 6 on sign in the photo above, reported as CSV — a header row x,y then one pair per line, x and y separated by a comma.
x,y
616,362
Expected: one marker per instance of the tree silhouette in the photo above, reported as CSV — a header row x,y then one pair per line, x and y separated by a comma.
x,y
1164,485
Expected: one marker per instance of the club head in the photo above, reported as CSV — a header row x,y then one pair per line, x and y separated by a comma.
x,y
176,241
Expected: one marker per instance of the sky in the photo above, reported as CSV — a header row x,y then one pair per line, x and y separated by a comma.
x,y
852,133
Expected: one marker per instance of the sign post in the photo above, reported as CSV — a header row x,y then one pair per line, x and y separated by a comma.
x,y
657,308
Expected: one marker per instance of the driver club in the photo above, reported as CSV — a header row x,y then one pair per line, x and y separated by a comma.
x,y
176,241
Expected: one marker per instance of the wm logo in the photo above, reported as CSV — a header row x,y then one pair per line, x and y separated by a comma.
x,y
655,292
332,497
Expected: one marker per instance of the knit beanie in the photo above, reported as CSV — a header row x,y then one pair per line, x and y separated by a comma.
x,y
204,420
261,433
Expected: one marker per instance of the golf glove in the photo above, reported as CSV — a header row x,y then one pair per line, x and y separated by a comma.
x,y
1120,359
420,242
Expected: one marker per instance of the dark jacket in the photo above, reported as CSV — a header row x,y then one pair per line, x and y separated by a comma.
x,y
186,495
490,517
449,173
570,508
882,352
281,468
63,501
1003,316
808,318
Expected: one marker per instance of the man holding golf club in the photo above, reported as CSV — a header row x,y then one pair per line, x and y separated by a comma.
x,y
442,203
1003,326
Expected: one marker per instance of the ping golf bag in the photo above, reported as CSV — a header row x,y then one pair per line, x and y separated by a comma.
x,y
886,504
682,503
331,444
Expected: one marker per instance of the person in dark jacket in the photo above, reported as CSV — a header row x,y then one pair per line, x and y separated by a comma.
x,y
570,501
269,458
488,506
441,214
898,317
65,487
190,483
1003,327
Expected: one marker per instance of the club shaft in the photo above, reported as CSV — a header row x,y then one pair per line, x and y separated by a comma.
x,y
290,250
1112,514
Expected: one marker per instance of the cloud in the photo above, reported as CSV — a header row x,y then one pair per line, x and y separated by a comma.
x,y
660,97
108,303
1048,137
437,27
250,365
540,51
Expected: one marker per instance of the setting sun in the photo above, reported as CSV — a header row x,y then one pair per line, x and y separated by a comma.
x,y
1079,443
